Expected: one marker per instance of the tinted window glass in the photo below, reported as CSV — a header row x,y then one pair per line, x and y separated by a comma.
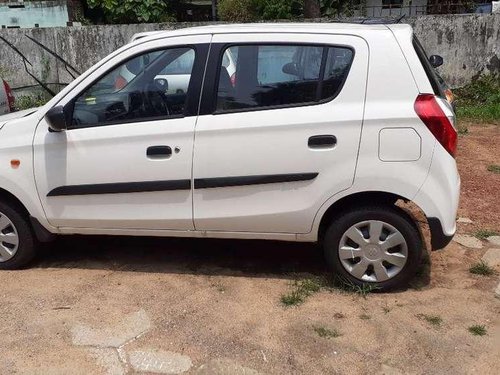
x,y
149,86
431,73
280,75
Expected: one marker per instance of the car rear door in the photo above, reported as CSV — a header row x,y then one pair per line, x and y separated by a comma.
x,y
276,140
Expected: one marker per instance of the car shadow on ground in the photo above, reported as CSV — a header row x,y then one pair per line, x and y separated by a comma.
x,y
228,257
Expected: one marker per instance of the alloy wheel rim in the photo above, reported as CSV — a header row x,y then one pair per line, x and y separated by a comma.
x,y
9,238
373,251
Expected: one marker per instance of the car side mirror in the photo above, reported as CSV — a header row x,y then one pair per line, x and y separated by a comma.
x,y
56,119
291,68
161,84
436,61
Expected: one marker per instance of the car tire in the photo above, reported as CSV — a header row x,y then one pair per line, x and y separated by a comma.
x,y
17,240
350,245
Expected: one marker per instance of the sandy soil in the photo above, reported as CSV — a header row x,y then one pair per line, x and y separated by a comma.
x,y
210,299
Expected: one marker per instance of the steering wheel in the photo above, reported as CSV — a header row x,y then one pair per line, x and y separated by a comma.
x,y
156,100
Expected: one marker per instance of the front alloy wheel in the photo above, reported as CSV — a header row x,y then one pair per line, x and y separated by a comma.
x,y
9,239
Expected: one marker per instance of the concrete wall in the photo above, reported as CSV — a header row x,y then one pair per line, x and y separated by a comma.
x,y
469,44
43,13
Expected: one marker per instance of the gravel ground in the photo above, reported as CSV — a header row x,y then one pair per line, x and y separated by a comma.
x,y
106,305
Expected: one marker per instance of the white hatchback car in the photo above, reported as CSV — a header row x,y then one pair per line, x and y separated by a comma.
x,y
325,127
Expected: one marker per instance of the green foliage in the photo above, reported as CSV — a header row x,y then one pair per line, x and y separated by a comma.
x,y
326,332
30,101
477,330
480,100
238,10
483,234
133,11
279,9
337,8
494,168
434,320
301,290
482,269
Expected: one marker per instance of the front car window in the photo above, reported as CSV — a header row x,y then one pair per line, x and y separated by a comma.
x,y
281,75
150,86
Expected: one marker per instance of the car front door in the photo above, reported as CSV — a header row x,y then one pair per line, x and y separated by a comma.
x,y
125,160
278,139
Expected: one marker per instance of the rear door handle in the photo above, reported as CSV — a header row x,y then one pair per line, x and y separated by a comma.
x,y
322,141
159,152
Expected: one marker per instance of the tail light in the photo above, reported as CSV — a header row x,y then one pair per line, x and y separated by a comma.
x,y
10,97
233,79
120,82
435,119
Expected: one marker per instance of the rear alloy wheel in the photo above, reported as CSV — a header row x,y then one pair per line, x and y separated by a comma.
x,y
378,246
17,242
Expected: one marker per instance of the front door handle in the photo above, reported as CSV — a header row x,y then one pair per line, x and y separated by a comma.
x,y
159,152
322,141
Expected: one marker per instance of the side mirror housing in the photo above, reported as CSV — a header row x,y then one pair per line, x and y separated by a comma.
x,y
56,119
291,69
436,61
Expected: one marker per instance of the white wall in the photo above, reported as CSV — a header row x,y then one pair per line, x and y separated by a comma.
x,y
43,13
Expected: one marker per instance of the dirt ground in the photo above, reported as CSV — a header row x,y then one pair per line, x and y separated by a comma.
x,y
95,305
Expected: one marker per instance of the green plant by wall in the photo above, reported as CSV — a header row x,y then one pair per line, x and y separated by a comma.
x,y
238,10
480,100
133,11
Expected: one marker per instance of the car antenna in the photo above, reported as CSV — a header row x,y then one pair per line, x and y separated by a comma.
x,y
400,18
67,65
26,62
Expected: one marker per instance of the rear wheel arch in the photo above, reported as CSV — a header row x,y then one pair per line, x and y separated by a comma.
x,y
362,199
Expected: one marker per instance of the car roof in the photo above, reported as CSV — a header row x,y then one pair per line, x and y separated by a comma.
x,y
313,28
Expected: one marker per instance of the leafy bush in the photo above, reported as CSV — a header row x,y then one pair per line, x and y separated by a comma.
x,y
279,9
30,101
133,11
480,100
238,10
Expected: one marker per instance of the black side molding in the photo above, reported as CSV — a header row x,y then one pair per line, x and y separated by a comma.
x,y
121,187
438,239
217,182
42,234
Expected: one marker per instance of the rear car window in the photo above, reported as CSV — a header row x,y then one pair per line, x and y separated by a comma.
x,y
432,75
281,75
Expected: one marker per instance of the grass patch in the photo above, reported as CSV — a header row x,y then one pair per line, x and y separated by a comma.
x,y
479,100
477,330
348,286
434,320
483,234
301,290
494,168
482,268
463,130
326,332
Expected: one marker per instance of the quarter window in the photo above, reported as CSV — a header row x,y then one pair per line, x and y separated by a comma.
x,y
147,87
280,75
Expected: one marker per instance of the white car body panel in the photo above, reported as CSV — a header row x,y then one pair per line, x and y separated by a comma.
x,y
380,91
274,141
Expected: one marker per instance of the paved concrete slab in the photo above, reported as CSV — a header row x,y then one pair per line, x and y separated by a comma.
x,y
109,360
468,241
123,331
159,362
495,240
224,367
492,257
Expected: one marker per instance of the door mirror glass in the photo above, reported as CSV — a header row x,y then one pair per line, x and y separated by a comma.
x,y
291,68
56,119
436,61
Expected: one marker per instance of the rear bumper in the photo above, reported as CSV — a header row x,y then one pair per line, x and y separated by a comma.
x,y
439,239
